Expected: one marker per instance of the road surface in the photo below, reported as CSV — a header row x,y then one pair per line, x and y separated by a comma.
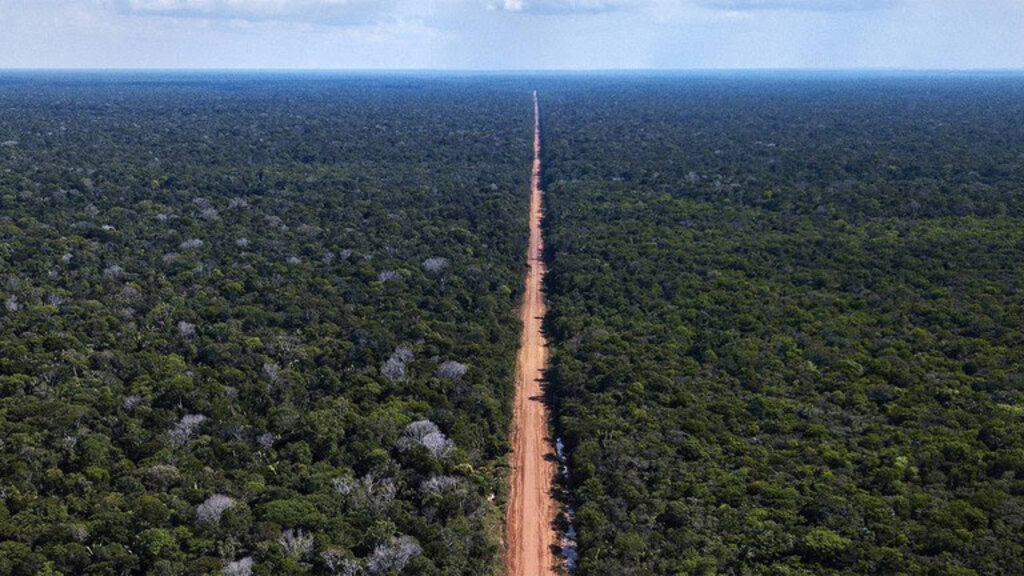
x,y
530,534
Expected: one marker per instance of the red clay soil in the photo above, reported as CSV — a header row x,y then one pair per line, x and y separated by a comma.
x,y
530,535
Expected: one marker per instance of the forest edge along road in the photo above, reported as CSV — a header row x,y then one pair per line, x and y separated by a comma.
x,y
530,533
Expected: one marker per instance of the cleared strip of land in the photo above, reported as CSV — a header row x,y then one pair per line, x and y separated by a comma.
x,y
531,537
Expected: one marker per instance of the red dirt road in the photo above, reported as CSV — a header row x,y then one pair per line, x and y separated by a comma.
x,y
530,536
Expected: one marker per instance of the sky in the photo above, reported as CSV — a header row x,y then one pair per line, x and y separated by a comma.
x,y
512,34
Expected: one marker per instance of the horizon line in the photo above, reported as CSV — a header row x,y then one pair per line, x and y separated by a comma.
x,y
513,71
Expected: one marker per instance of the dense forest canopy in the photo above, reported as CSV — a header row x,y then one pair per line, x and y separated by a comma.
x,y
786,317
266,324
257,324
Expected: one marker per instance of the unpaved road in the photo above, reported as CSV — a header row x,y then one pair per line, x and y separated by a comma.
x,y
530,535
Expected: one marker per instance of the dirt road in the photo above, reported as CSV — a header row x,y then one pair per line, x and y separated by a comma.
x,y
530,536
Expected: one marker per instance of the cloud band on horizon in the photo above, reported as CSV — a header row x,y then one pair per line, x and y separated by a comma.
x,y
799,5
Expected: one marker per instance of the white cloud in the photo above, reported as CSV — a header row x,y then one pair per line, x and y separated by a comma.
x,y
799,5
327,12
478,34
566,6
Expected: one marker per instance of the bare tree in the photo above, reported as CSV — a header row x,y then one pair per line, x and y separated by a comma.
x,y
186,428
237,202
340,564
241,567
368,493
272,371
213,507
439,484
130,402
265,440
425,433
438,445
162,475
393,556
452,370
436,264
186,329
296,543
394,368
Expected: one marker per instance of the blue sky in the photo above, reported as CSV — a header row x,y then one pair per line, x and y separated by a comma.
x,y
512,34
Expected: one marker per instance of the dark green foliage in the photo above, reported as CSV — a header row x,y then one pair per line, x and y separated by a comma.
x,y
203,277
786,322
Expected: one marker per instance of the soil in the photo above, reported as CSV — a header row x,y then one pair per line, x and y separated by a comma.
x,y
530,534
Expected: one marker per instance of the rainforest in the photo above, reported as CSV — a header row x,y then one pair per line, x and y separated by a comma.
x,y
268,323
